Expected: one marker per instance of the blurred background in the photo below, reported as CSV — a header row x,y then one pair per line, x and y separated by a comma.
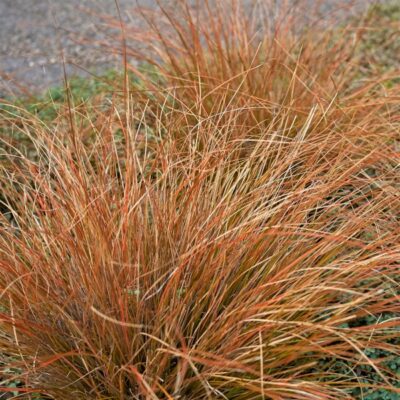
x,y
37,35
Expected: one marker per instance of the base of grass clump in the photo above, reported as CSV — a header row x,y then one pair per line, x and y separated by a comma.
x,y
228,230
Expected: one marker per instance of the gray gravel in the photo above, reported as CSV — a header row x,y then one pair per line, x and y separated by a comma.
x,y
33,34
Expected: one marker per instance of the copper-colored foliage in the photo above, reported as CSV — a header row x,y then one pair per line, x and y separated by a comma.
x,y
217,231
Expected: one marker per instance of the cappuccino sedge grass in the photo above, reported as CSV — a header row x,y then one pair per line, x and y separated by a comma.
x,y
216,230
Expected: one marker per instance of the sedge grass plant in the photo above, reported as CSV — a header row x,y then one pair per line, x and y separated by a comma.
x,y
217,231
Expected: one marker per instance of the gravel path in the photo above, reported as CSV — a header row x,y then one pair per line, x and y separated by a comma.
x,y
30,43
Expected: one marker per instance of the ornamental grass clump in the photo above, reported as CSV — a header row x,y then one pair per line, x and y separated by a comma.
x,y
218,230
